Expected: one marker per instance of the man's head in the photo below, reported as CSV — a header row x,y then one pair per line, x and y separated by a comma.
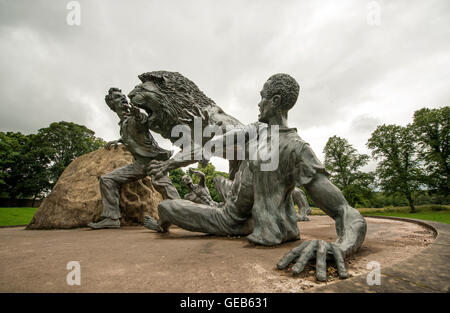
x,y
279,94
117,101
186,179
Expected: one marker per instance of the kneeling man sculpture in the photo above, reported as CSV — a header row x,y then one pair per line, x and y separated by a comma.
x,y
258,203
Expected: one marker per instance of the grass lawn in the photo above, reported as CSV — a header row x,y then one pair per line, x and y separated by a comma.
x,y
436,213
16,216
443,216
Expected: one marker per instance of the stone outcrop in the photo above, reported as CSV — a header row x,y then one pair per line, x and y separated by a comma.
x,y
75,199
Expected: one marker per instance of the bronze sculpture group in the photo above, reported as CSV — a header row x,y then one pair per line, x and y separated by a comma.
x,y
256,203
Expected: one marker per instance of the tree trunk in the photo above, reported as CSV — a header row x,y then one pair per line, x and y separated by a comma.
x,y
411,203
34,200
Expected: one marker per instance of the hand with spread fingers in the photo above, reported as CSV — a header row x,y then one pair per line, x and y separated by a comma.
x,y
318,249
351,229
134,111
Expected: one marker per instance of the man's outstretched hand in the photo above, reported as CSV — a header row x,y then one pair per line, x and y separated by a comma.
x,y
134,111
319,250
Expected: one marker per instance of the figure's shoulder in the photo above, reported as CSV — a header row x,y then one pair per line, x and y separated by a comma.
x,y
297,143
254,126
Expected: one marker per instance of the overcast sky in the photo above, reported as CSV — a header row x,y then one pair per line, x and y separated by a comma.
x,y
353,73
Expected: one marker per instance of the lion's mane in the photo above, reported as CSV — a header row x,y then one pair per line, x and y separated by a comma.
x,y
181,98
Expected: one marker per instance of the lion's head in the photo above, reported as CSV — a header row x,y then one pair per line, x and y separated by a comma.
x,y
169,99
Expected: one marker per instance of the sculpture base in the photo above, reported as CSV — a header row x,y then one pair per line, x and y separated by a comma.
x,y
134,259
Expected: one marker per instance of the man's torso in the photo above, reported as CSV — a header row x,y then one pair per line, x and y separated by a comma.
x,y
138,140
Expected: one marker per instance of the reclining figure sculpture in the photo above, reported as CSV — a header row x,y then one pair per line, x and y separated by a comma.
x,y
257,203
198,193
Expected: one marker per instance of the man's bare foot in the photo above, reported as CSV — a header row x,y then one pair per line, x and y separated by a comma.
x,y
152,224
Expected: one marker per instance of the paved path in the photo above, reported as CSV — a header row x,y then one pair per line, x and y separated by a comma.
x,y
134,259
428,271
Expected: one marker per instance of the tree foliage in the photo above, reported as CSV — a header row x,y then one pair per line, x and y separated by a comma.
x,y
21,166
398,170
432,131
176,175
343,162
63,142
31,164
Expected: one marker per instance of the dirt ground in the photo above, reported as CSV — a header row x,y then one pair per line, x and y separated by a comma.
x,y
134,259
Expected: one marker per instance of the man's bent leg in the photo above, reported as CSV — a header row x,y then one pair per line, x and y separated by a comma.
x,y
165,187
198,218
223,186
110,190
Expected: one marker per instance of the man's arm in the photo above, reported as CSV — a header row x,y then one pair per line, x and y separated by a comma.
x,y
138,116
185,158
350,225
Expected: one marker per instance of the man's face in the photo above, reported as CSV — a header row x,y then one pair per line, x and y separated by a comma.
x,y
119,101
266,106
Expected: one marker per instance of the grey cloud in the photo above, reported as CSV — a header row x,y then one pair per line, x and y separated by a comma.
x,y
364,124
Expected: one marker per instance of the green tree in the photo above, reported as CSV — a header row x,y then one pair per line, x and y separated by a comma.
x,y
432,132
176,175
35,160
399,169
63,142
11,151
343,162
31,164
22,166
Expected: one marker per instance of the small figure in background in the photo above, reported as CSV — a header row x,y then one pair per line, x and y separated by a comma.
x,y
198,193
299,198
